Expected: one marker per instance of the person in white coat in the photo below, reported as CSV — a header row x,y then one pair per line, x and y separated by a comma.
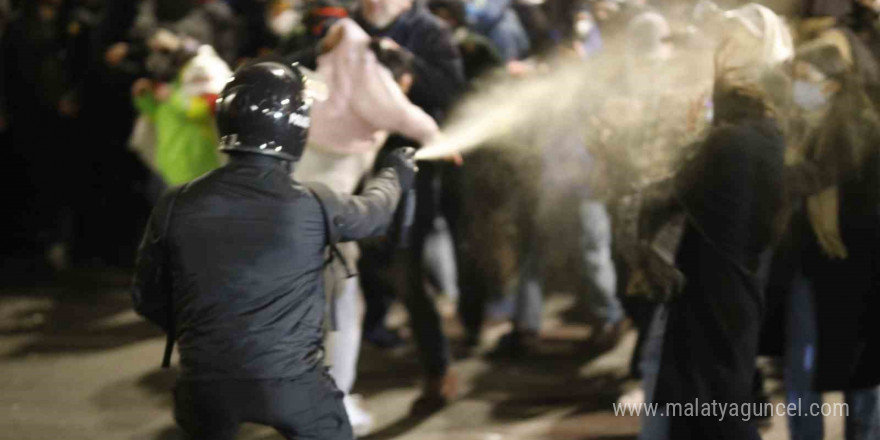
x,y
367,82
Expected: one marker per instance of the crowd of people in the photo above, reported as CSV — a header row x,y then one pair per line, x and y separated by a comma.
x,y
716,186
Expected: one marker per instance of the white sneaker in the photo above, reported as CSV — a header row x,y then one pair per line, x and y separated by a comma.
x,y
361,420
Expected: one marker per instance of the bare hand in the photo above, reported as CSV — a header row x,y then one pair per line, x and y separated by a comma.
x,y
115,54
455,158
164,40
141,86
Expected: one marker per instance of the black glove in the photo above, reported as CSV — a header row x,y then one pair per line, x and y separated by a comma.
x,y
403,161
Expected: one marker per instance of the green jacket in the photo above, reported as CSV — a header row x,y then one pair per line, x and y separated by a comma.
x,y
186,139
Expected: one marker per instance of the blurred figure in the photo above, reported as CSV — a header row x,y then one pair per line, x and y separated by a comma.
x,y
181,117
368,84
586,33
438,80
827,8
300,33
536,22
566,169
192,22
497,20
730,225
648,38
42,59
479,56
613,16
713,291
833,180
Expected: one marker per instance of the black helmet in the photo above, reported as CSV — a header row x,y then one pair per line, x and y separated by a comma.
x,y
264,109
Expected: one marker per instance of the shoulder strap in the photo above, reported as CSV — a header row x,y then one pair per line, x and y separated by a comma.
x,y
330,206
169,289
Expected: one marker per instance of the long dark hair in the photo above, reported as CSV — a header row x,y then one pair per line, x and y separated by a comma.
x,y
395,59
850,131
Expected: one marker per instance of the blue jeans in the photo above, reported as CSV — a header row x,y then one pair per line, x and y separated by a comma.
x,y
599,274
599,296
863,420
528,303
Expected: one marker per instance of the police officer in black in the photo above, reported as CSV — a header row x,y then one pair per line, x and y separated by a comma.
x,y
231,267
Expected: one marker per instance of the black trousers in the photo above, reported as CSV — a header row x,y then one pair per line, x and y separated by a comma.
x,y
308,407
432,199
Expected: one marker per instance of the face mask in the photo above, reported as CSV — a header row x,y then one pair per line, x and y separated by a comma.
x,y
809,96
583,28
283,24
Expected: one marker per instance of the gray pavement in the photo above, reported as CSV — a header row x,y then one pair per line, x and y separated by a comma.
x,y
77,363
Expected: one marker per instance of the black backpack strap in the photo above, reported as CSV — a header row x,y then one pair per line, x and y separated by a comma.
x,y
330,207
169,289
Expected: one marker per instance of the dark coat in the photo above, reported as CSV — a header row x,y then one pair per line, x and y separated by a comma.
x,y
731,192
847,292
244,255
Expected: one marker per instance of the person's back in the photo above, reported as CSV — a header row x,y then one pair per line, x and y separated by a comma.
x,y
247,244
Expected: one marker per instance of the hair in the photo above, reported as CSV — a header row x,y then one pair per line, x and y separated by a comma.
x,y
455,9
737,99
851,130
395,59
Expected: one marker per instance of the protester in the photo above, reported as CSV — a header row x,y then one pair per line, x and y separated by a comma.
x,y
438,80
479,56
833,179
41,63
497,20
195,23
367,82
179,115
730,220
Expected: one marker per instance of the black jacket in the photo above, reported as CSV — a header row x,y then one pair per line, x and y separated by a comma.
x,y
731,192
241,267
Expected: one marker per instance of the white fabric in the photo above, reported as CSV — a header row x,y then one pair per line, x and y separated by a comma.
x,y
364,99
206,73
772,44
341,172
